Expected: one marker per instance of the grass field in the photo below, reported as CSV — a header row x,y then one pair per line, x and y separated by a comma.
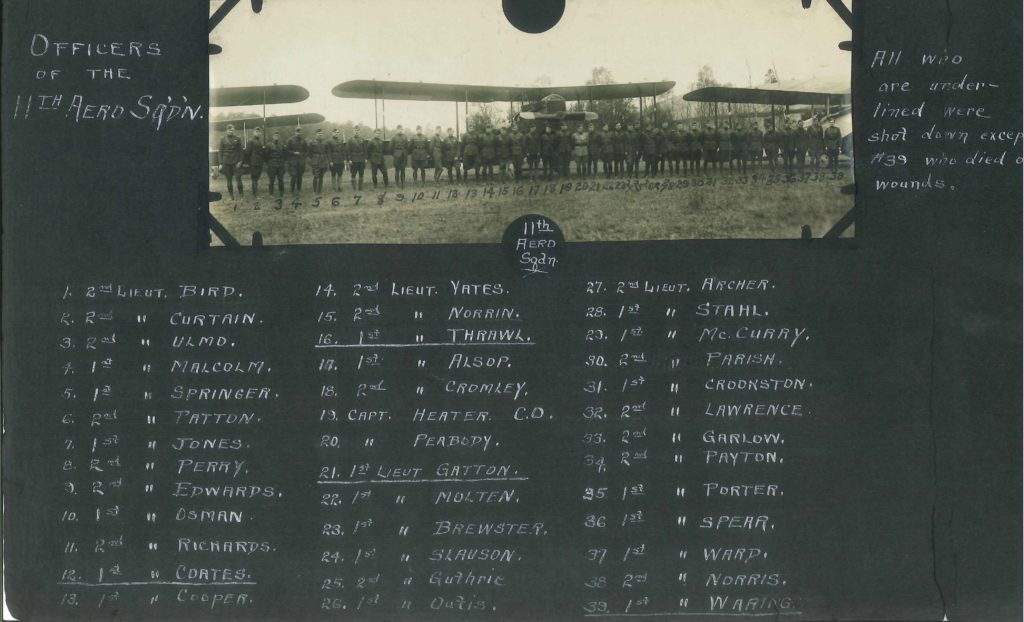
x,y
729,206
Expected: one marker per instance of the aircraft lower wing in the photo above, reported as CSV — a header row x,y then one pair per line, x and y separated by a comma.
x,y
284,120
558,116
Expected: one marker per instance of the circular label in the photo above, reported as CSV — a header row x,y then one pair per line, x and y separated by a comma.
x,y
534,245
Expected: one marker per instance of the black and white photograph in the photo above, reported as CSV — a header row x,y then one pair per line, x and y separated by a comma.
x,y
647,120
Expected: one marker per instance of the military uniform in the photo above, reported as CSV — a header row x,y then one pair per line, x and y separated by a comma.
x,y
531,145
516,149
502,154
650,141
631,143
357,160
375,156
675,139
595,144
419,147
833,139
449,153
772,143
709,140
564,151
253,157
755,144
738,137
789,139
275,155
298,149
691,150
618,152
437,154
338,153
595,147
400,154
725,148
230,158
606,154
815,143
487,154
471,155
581,152
662,146
549,152
319,160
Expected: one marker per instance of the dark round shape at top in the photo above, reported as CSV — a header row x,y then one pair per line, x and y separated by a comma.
x,y
533,15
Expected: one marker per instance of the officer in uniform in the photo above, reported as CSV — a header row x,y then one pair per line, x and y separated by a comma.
x,y
437,153
607,165
275,157
419,151
549,152
755,144
298,149
471,154
375,155
676,138
816,144
709,140
691,146
725,147
254,158
650,141
772,141
581,151
631,143
516,149
564,150
356,158
400,153
531,145
833,139
740,150
803,145
337,152
487,153
789,145
449,152
665,147
502,153
230,158
319,158
595,145
618,151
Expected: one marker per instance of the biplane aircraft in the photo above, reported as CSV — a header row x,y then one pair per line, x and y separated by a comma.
x,y
536,103
830,99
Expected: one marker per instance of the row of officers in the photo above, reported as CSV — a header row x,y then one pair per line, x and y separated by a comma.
x,y
548,152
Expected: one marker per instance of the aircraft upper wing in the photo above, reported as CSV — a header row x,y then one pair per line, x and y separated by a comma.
x,y
284,120
257,95
814,91
426,91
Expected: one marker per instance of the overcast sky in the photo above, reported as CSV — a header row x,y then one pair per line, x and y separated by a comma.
x,y
318,44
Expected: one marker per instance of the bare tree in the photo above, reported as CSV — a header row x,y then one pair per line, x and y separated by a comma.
x,y
485,116
705,78
609,111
